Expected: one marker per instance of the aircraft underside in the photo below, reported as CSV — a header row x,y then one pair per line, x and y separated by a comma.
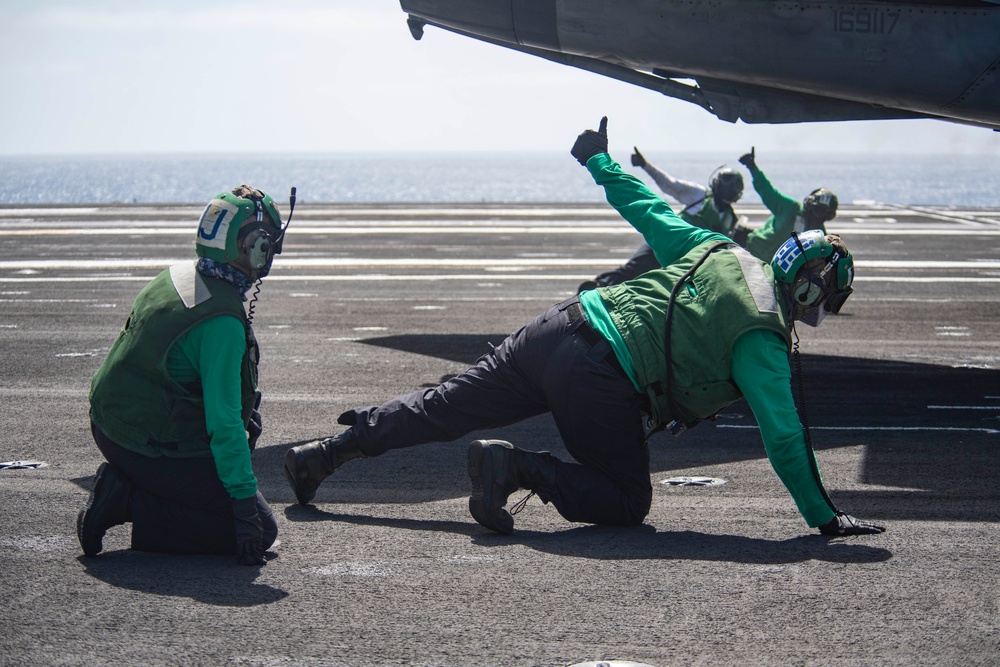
x,y
761,61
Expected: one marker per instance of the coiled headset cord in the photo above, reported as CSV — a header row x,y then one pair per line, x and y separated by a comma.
x,y
253,301
281,238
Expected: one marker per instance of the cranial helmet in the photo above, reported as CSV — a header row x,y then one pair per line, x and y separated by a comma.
x,y
821,204
242,228
816,268
727,185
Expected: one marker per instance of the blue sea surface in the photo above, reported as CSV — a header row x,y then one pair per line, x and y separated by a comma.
x,y
950,180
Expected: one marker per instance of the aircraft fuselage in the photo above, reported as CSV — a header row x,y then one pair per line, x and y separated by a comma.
x,y
762,61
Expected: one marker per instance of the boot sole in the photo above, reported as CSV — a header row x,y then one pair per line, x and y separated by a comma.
x,y
291,474
477,456
92,538
88,548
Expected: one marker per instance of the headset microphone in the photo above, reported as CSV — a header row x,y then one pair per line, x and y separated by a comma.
x,y
291,211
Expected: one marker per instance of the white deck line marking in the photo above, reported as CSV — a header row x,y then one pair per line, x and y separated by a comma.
x,y
432,262
928,279
471,277
87,301
990,431
963,407
590,228
960,217
860,207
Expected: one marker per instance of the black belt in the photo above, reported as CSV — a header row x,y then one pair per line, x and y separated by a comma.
x,y
592,338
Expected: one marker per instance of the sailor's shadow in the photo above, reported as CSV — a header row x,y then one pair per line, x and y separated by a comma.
x,y
215,580
645,542
641,542
312,513
463,348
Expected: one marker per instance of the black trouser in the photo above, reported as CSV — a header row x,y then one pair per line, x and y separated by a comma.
x,y
641,261
549,365
179,505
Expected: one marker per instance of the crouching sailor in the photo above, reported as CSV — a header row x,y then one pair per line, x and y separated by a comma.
x,y
174,406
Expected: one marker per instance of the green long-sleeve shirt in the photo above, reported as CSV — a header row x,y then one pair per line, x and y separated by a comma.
x,y
787,215
760,358
211,353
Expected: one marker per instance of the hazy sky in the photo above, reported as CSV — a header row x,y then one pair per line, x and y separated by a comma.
x,y
343,75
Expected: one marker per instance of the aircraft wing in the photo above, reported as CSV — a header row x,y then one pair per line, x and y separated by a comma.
x,y
761,61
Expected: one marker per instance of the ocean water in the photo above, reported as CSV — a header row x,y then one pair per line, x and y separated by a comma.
x,y
967,180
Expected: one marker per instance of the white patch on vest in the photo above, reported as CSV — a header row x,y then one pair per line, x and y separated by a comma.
x,y
213,229
189,285
761,288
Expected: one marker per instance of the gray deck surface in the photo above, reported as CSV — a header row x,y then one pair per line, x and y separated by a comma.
x,y
388,568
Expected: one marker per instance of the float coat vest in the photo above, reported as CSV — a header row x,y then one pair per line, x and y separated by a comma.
x,y
710,218
730,294
133,399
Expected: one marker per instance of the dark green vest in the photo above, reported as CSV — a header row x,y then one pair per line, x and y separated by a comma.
x,y
730,294
132,397
710,218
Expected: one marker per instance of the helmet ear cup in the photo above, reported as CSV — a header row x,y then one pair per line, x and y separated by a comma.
x,y
257,248
808,290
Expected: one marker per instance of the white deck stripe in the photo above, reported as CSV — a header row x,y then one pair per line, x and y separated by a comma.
x,y
482,227
437,262
471,277
959,429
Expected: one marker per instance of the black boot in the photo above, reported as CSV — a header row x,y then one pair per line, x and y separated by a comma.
x,y
306,466
109,504
497,469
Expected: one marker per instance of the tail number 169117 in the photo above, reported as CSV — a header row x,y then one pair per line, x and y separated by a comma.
x,y
864,21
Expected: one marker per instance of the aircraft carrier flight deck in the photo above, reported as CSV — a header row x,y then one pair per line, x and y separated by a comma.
x,y
388,568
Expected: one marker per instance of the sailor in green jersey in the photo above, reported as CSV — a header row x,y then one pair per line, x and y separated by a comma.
x,y
173,407
787,215
710,208
671,347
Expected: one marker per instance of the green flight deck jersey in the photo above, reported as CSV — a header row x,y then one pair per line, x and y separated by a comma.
x,y
787,216
729,333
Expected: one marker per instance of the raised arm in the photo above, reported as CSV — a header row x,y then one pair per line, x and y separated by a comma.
x,y
685,192
669,236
